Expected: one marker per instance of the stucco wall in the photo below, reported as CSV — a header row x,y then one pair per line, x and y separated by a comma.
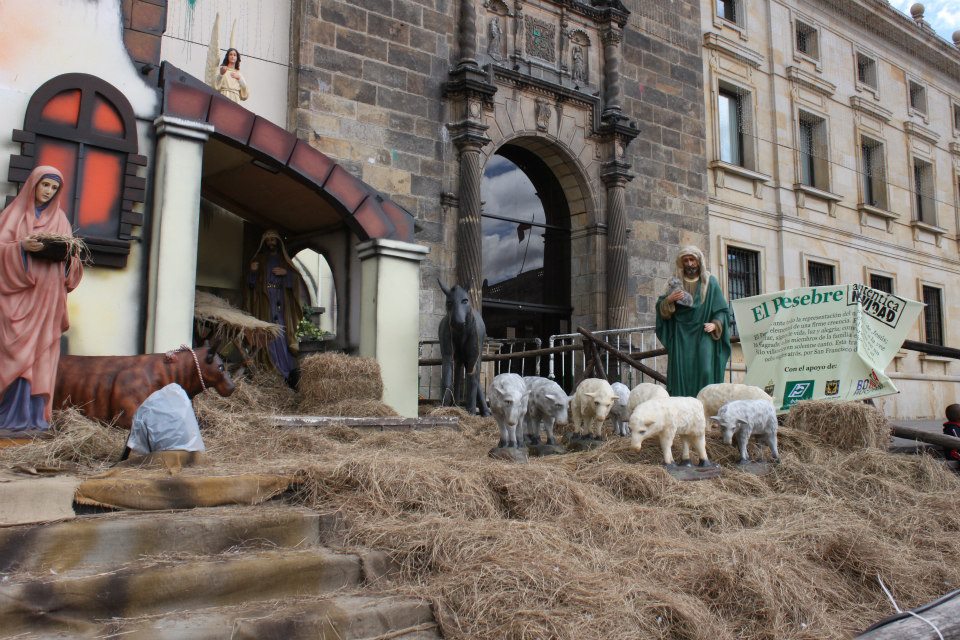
x,y
77,37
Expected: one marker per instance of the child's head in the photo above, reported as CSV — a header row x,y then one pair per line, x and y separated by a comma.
x,y
953,413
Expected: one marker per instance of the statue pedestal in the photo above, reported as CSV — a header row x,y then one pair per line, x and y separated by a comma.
x,y
577,443
509,454
540,450
693,472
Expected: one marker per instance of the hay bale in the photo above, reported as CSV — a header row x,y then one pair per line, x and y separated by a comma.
x,y
331,378
844,425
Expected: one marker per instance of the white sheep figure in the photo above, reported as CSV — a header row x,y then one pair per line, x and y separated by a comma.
x,y
714,396
546,406
590,406
743,418
643,392
671,418
507,399
619,414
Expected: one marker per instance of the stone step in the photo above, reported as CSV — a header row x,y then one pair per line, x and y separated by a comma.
x,y
154,586
110,540
349,617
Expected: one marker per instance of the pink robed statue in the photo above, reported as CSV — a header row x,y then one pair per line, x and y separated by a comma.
x,y
33,300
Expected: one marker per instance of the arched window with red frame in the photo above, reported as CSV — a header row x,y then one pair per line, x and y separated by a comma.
x,y
86,128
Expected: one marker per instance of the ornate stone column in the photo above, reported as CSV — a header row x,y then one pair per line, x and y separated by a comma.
x,y
615,176
468,34
469,233
611,36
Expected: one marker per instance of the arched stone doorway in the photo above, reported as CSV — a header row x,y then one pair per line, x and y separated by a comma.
x,y
540,267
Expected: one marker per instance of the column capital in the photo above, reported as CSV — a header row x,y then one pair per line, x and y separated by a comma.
x,y
469,135
382,247
612,34
615,173
182,128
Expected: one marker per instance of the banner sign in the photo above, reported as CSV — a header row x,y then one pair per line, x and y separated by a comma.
x,y
825,343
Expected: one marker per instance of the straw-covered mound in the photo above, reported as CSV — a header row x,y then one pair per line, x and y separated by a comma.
x,y
335,384
846,425
606,544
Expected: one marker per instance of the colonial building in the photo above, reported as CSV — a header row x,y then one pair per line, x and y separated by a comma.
x,y
833,147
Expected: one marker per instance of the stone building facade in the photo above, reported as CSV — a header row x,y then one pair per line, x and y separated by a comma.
x,y
417,97
833,146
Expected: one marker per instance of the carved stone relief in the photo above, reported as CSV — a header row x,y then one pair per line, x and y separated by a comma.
x,y
541,39
543,113
496,29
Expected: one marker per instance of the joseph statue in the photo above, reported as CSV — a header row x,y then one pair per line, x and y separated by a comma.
x,y
693,325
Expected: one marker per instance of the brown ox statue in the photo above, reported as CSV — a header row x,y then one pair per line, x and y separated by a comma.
x,y
111,388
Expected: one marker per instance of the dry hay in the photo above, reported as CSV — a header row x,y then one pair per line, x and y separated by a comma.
x,y
352,408
605,544
228,324
76,441
329,378
844,425
74,246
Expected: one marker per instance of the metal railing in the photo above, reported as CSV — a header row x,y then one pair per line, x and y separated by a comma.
x,y
565,367
429,379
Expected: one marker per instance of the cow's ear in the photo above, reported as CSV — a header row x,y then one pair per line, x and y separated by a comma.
x,y
445,290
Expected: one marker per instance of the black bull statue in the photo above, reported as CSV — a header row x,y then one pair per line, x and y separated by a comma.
x,y
461,343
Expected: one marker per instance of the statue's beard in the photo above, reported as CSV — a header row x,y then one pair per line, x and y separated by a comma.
x,y
691,272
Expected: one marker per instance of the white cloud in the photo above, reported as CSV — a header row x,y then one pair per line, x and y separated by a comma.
x,y
943,15
509,192
504,255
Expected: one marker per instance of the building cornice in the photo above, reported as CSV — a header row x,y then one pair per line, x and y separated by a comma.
x,y
871,108
918,131
881,19
733,49
811,81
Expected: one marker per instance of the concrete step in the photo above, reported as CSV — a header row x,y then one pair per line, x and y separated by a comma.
x,y
110,540
153,586
348,617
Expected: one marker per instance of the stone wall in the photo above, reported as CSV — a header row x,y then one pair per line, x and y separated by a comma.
x,y
371,96
663,75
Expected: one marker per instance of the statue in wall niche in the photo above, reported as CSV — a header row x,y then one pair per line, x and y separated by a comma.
x,y
461,335
494,46
578,70
39,264
229,82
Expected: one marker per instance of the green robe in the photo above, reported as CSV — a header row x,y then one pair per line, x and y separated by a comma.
x,y
694,358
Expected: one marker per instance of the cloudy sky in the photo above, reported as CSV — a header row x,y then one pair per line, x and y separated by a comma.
x,y
943,15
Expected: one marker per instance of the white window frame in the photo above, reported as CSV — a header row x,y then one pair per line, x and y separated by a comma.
x,y
955,116
820,152
807,258
727,242
739,25
870,271
943,308
882,203
930,220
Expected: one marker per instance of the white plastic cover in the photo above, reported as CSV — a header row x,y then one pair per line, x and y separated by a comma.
x,y
164,422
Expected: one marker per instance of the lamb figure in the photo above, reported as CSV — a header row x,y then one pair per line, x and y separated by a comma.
x,y
619,413
670,418
743,418
674,284
714,396
590,406
643,392
546,406
507,400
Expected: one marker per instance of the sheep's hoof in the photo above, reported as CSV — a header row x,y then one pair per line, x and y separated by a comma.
x,y
706,464
551,441
501,444
686,463
744,461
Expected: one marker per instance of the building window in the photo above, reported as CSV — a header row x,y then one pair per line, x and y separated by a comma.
x,y
918,97
743,274
812,145
866,71
819,274
881,283
86,128
727,9
806,40
924,207
933,315
956,119
730,109
873,173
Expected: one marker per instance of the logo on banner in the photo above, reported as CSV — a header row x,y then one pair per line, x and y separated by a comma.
x,y
768,389
831,388
795,391
868,384
885,307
